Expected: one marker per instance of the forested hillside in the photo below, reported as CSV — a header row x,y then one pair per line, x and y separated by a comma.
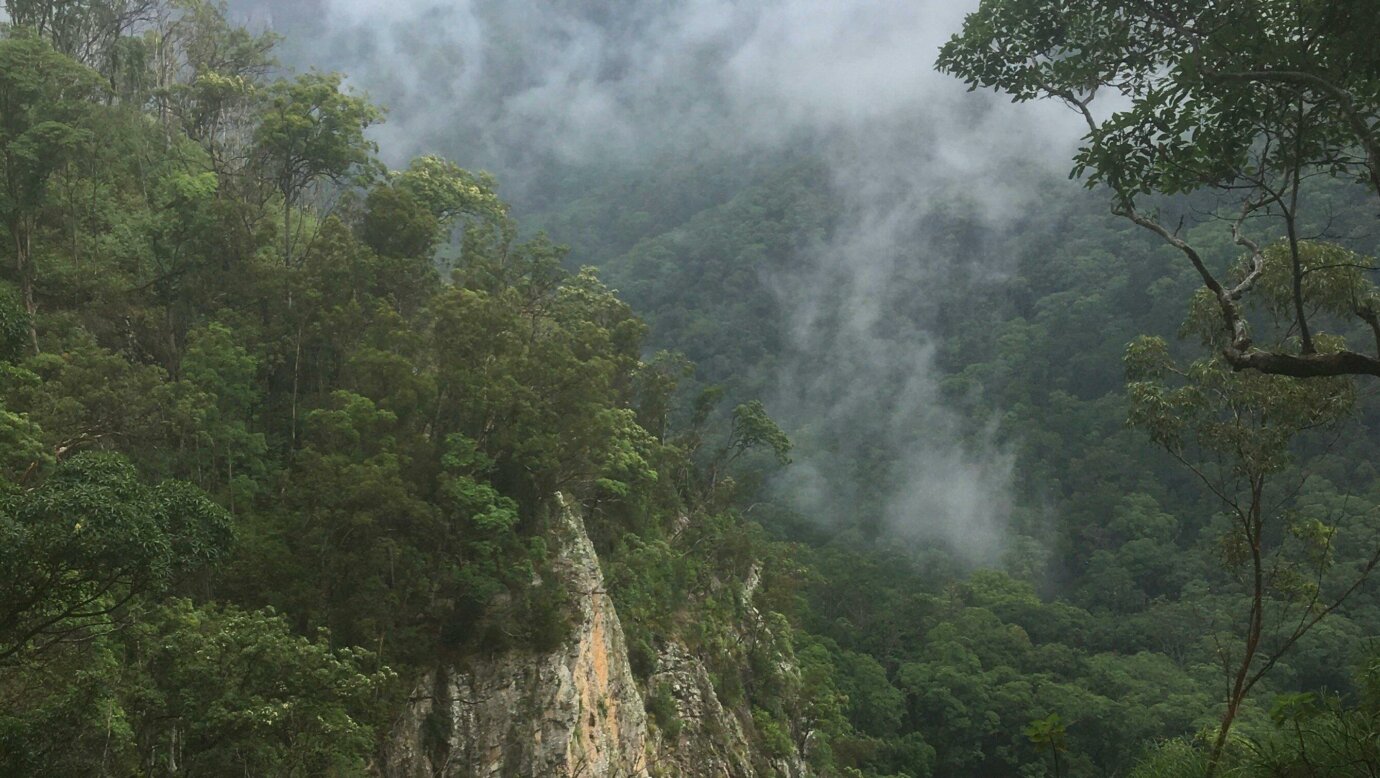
x,y
1114,601
265,455
289,437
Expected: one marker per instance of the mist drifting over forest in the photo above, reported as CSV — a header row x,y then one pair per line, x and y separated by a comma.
x,y
527,88
703,388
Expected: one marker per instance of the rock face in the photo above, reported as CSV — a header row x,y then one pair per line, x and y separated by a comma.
x,y
577,711
573,712
709,742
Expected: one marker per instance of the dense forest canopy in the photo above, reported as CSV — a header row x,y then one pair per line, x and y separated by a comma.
x,y
931,474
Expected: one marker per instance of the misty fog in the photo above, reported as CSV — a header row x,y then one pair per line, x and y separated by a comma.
x,y
523,88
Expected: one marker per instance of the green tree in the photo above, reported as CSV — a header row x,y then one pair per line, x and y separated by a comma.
x,y
397,225
1249,100
207,76
221,377
222,691
78,548
450,192
312,131
1236,432
361,530
14,324
45,103
1049,734
88,31
90,398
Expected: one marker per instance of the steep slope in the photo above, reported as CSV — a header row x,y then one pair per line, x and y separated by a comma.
x,y
573,711
576,710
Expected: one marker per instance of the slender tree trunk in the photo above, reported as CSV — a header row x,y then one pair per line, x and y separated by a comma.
x,y
296,380
287,231
174,353
1291,224
1241,683
23,254
76,237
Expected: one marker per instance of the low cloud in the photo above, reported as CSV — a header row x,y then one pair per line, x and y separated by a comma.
x,y
512,85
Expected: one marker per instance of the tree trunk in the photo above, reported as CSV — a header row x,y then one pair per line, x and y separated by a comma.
x,y
23,253
1291,225
1241,684
296,380
287,231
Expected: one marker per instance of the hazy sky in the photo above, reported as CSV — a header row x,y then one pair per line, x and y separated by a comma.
x,y
588,78
504,83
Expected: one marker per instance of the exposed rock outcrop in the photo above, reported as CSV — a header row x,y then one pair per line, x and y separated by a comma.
x,y
573,712
707,740
704,739
577,711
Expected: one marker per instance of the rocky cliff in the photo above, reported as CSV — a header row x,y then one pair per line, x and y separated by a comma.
x,y
575,711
